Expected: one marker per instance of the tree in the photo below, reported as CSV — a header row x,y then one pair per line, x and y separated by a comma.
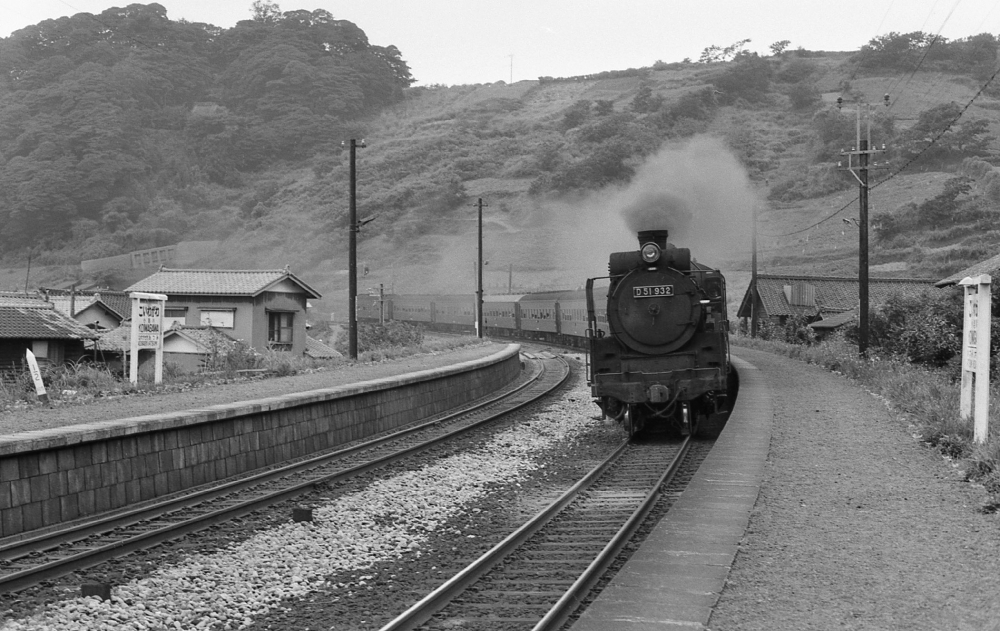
x,y
715,53
779,47
937,137
895,50
749,78
265,12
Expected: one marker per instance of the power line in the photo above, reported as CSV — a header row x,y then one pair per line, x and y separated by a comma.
x,y
930,144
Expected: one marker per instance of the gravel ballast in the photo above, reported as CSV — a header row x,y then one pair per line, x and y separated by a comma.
x,y
857,525
368,547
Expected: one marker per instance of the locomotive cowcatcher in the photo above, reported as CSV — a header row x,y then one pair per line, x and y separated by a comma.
x,y
664,365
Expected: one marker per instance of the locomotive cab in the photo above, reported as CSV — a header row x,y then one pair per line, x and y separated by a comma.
x,y
664,364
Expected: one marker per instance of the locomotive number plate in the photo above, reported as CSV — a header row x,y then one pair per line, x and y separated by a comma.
x,y
652,291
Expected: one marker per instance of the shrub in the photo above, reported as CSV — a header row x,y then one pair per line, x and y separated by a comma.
x,y
392,334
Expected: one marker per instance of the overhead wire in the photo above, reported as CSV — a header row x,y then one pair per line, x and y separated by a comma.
x,y
933,141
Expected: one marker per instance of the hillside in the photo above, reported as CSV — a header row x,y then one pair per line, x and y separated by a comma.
x,y
569,168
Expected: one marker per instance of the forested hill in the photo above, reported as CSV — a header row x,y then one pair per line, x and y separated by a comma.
x,y
103,117
127,130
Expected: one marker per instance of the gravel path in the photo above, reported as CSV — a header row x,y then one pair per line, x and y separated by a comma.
x,y
71,412
857,526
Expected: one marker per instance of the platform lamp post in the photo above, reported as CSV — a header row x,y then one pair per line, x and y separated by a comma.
x,y
352,286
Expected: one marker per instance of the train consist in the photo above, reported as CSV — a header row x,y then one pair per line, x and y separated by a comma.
x,y
658,344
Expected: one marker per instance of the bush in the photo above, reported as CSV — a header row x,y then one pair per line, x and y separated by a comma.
x,y
795,330
925,330
392,334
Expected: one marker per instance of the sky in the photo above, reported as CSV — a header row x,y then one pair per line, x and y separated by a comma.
x,y
454,42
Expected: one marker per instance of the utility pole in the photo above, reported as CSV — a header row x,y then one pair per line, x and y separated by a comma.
x,y
860,172
755,294
479,275
352,287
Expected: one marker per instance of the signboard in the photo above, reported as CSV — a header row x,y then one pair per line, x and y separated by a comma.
x,y
147,331
976,353
148,317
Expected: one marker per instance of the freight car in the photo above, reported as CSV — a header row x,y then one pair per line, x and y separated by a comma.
x,y
664,361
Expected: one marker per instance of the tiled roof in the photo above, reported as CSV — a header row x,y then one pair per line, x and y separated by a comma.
x,y
215,282
40,322
120,339
318,350
989,266
835,320
117,302
204,336
833,294
15,299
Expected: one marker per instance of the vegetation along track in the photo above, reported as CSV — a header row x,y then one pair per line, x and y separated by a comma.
x,y
27,562
538,576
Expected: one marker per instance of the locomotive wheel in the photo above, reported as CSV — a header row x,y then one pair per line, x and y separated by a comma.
x,y
633,420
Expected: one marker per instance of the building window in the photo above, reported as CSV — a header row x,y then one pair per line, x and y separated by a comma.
x,y
172,315
219,318
279,329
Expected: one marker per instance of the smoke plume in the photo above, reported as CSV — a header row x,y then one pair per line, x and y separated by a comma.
x,y
698,191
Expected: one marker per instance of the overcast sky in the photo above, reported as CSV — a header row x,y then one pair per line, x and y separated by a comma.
x,y
482,41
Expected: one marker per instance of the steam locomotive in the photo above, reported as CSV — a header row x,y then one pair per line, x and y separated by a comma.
x,y
664,362
658,348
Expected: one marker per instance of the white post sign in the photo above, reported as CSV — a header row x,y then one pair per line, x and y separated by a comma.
x,y
147,331
36,377
976,353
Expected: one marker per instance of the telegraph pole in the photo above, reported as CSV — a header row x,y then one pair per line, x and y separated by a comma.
x,y
352,287
755,294
860,172
479,275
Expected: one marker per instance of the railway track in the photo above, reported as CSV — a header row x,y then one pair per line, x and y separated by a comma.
x,y
29,561
538,576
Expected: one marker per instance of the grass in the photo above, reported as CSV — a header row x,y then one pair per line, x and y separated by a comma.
x,y
82,382
927,399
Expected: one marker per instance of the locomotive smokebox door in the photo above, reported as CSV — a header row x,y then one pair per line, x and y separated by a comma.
x,y
659,394
655,310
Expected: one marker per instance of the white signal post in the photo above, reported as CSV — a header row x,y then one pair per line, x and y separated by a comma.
x,y
976,353
147,331
36,377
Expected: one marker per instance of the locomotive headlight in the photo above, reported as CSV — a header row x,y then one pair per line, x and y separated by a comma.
x,y
650,253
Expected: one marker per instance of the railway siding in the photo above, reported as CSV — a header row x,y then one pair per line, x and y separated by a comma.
x,y
55,475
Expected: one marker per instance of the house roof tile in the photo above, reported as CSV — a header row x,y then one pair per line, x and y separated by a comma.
x,y
990,266
117,302
833,294
217,282
319,350
40,322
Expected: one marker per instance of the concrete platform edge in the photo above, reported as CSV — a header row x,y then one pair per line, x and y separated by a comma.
x,y
675,578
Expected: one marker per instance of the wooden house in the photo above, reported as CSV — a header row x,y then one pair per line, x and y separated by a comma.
x,y
264,308
817,298
29,322
99,310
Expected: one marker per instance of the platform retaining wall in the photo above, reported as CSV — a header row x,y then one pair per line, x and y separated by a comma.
x,y
52,476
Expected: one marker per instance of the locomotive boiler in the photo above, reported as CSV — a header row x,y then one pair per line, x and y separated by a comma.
x,y
663,364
